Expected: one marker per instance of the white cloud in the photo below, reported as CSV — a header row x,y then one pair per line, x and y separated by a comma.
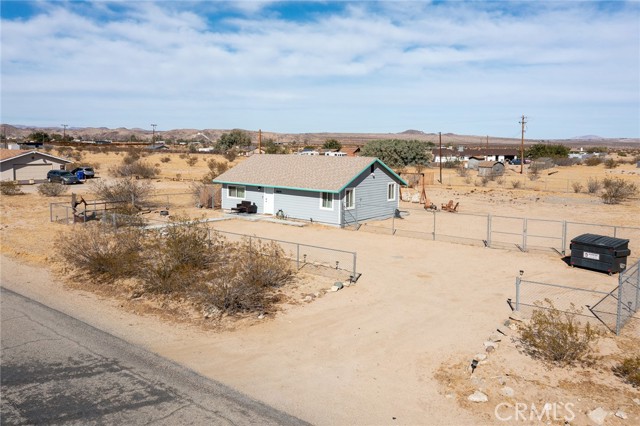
x,y
371,63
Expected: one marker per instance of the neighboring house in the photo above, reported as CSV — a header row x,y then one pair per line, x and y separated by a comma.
x,y
28,166
308,152
351,151
335,154
157,147
490,168
330,190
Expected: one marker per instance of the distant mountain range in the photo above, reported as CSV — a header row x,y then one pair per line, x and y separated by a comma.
x,y
211,135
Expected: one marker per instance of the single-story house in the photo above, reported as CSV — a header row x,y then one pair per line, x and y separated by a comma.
x,y
157,147
337,191
27,166
490,168
351,151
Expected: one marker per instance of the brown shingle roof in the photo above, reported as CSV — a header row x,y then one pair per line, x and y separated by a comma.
x,y
5,154
312,172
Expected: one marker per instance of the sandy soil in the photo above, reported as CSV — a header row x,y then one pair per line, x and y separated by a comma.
x,y
394,348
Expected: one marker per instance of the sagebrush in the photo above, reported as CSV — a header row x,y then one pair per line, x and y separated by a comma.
x,y
556,336
629,370
10,187
52,189
617,190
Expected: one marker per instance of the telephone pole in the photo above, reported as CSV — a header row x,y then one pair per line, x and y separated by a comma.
x,y
64,132
153,136
487,141
440,139
522,122
259,141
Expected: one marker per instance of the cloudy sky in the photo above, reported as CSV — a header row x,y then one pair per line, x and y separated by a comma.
x,y
573,68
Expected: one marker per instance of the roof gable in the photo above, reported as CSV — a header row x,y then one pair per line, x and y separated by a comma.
x,y
10,154
315,173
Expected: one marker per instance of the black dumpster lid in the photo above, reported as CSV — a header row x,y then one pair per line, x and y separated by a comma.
x,y
600,240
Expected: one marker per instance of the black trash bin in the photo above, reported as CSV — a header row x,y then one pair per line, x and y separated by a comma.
x,y
599,252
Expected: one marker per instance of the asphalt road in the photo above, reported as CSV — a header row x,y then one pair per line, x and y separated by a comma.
x,y
56,369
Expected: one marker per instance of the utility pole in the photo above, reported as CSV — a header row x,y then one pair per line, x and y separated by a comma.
x,y
522,122
64,132
153,137
440,139
259,141
487,141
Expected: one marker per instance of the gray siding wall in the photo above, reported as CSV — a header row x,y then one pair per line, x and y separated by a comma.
x,y
371,197
305,205
251,193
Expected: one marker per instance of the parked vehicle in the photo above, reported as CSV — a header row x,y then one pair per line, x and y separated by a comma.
x,y
88,172
65,177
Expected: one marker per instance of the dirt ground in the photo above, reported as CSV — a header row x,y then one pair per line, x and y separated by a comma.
x,y
392,349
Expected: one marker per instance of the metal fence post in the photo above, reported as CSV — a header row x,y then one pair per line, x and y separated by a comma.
x,y
489,218
355,255
524,234
50,212
564,236
298,256
393,223
615,231
518,280
619,309
67,215
434,226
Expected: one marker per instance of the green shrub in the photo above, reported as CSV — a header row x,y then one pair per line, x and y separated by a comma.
x,y
629,370
52,189
10,187
557,337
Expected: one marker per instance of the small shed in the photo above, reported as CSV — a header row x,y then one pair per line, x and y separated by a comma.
x,y
26,166
472,163
490,168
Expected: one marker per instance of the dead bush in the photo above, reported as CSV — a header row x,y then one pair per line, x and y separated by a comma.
x,y
577,187
500,181
593,161
485,180
610,163
216,168
100,250
462,171
122,191
246,281
557,337
191,161
534,172
52,189
629,370
10,187
230,155
140,169
131,157
617,190
515,184
165,159
468,180
593,185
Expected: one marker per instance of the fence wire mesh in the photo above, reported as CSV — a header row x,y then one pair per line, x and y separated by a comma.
x,y
612,309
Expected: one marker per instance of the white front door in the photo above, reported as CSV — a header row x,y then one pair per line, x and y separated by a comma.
x,y
268,201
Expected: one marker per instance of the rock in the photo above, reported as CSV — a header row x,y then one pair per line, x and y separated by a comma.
x,y
316,294
136,294
210,311
307,298
507,323
490,349
636,401
415,198
501,380
261,316
337,286
495,337
598,415
507,391
513,326
490,343
480,357
478,396
516,316
621,414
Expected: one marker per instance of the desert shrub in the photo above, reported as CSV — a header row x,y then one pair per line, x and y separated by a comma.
x,y
610,163
593,185
629,370
534,172
230,155
76,155
452,164
100,250
131,157
593,161
500,181
246,281
577,187
617,190
557,337
485,180
137,168
177,255
468,180
165,159
122,191
10,187
565,161
64,151
622,154
191,161
216,168
183,155
515,184
462,171
52,189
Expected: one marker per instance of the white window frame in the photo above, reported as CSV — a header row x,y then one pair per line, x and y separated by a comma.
x,y
353,199
322,196
237,187
391,189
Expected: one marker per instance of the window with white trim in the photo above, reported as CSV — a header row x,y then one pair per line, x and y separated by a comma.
x,y
391,192
327,201
236,191
350,199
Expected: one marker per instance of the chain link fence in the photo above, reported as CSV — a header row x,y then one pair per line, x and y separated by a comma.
x,y
496,231
612,309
